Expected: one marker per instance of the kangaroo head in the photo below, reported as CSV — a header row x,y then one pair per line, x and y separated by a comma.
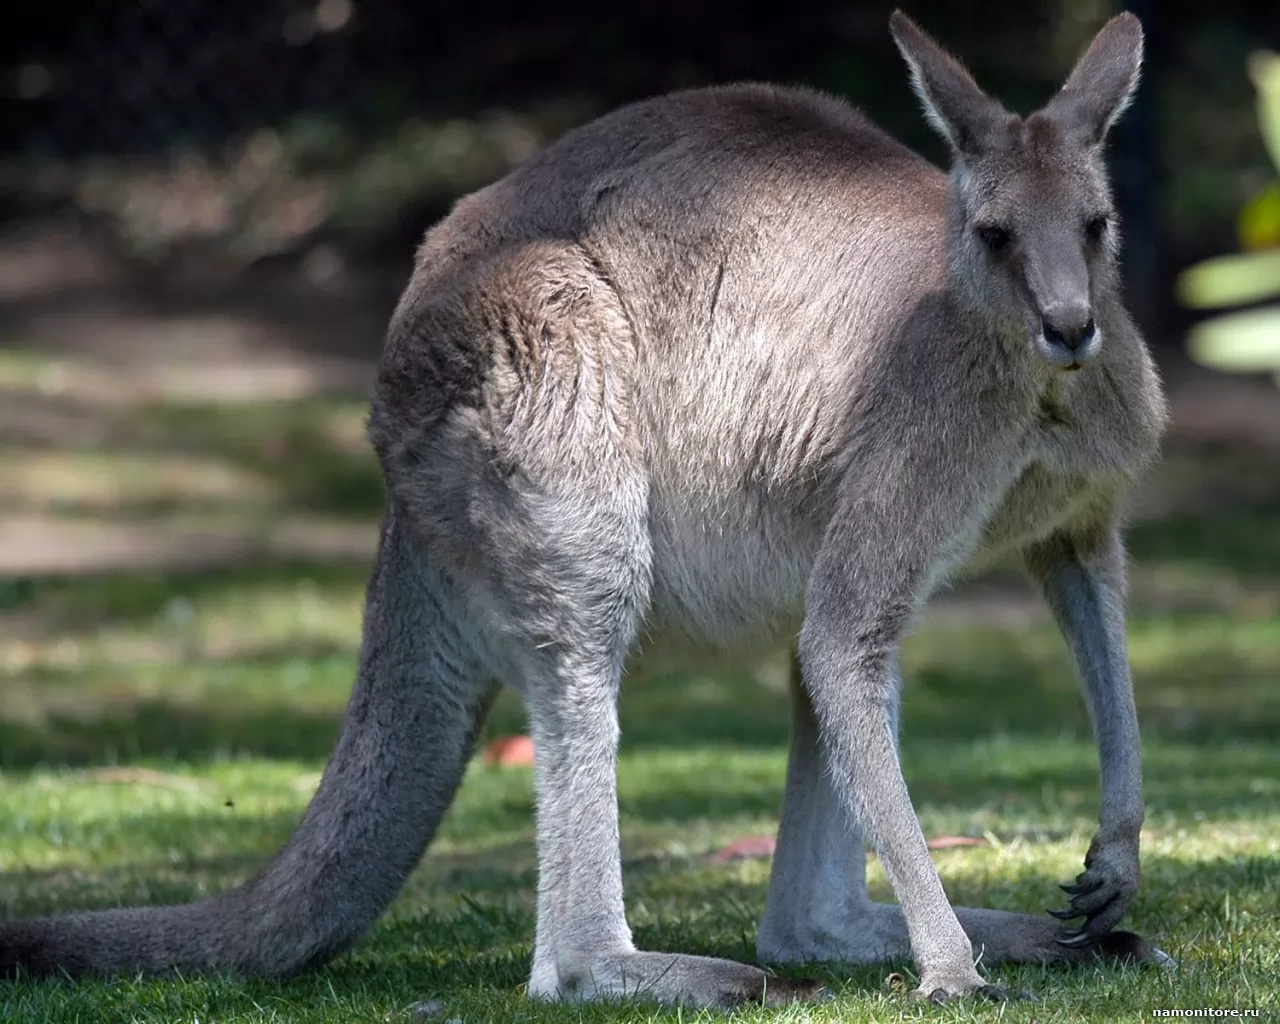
x,y
1033,237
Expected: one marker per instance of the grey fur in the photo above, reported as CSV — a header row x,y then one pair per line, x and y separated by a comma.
x,y
716,370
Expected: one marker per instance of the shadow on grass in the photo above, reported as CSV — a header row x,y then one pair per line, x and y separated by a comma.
x,y
292,444
286,442
1243,541
486,946
153,729
252,704
139,595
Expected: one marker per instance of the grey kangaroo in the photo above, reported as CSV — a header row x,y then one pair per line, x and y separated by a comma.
x,y
725,369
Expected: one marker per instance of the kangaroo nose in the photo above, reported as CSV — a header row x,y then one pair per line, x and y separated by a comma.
x,y
1069,326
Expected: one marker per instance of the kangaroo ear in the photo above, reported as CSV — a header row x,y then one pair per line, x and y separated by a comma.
x,y
1102,83
961,113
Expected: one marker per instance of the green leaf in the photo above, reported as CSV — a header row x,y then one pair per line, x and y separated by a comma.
x,y
1264,69
1258,225
1230,280
1247,342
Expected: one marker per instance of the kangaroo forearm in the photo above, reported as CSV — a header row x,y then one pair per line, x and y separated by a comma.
x,y
1120,760
1081,573
1083,583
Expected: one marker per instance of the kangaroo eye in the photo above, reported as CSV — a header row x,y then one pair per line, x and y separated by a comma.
x,y
994,237
1096,227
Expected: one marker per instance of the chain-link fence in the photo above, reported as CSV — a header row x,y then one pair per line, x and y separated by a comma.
x,y
152,76
247,124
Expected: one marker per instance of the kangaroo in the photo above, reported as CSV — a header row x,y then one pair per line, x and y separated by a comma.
x,y
722,369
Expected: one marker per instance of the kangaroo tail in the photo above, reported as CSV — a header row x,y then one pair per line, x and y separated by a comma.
x,y
409,731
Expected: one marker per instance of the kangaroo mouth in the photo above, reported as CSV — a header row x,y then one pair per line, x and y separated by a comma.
x,y
1066,357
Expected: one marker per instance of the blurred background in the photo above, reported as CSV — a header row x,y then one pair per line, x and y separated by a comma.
x,y
207,211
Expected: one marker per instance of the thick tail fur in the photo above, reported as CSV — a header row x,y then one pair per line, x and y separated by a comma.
x,y
409,731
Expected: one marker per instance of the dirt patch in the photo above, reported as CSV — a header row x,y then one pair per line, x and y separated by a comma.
x,y
42,546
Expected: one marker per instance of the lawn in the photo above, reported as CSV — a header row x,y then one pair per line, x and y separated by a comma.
x,y
161,732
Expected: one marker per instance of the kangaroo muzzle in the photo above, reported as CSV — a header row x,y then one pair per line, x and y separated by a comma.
x,y
1068,337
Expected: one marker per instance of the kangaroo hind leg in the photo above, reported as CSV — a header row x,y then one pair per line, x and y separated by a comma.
x,y
574,605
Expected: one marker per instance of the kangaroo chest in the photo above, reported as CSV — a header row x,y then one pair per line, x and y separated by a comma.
x,y
1051,480
1037,503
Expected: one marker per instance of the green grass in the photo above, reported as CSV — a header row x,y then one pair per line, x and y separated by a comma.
x,y
996,745
161,733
